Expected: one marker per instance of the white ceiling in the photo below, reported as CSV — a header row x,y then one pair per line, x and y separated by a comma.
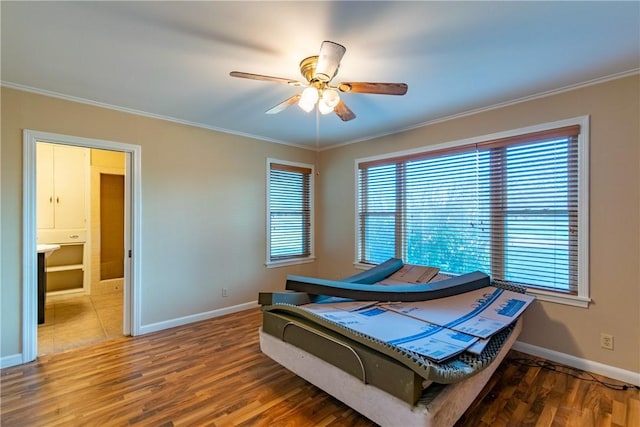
x,y
172,59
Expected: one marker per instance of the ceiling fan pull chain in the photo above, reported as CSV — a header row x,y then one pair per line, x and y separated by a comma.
x,y
317,140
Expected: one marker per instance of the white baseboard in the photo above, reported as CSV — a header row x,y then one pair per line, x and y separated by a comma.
x,y
11,360
166,324
579,363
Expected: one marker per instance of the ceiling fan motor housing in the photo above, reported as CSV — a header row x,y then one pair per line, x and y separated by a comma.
x,y
308,71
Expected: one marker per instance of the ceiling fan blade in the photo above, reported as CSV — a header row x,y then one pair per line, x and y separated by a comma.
x,y
379,88
284,104
344,112
265,78
328,60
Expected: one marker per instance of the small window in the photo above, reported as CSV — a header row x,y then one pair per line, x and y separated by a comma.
x,y
513,207
289,212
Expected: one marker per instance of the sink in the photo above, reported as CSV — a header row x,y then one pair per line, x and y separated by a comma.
x,y
47,249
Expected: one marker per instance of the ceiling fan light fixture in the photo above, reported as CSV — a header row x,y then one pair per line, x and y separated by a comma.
x,y
331,97
319,71
308,99
323,107
306,107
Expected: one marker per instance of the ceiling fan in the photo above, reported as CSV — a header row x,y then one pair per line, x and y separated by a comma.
x,y
318,72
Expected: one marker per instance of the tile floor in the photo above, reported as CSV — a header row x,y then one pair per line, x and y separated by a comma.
x,y
76,321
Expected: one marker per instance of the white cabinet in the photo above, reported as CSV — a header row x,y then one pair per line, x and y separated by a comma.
x,y
62,209
61,180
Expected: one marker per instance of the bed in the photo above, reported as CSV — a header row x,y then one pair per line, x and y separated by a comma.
x,y
389,383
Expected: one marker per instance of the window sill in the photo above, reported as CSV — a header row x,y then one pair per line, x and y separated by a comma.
x,y
574,300
285,263
541,295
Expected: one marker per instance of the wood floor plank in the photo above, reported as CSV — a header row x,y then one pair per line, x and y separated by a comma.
x,y
212,373
633,415
546,416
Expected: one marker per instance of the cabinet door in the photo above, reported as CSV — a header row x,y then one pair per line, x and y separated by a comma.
x,y
44,181
70,169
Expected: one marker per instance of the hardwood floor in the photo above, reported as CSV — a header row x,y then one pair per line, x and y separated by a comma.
x,y
212,373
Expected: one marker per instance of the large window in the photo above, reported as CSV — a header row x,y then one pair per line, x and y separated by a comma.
x,y
509,206
289,212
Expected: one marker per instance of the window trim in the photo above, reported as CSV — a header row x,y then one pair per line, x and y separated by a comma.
x,y
298,260
582,298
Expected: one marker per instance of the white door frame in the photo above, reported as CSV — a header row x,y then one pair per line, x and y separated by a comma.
x,y
132,233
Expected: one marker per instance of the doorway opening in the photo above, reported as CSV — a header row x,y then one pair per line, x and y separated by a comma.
x,y
80,205
84,281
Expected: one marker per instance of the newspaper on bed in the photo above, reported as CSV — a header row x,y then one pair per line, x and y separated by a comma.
x,y
480,313
433,341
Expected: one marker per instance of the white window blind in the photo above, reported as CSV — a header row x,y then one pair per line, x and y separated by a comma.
x,y
507,207
289,212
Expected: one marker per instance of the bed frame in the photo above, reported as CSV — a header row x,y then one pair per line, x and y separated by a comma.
x,y
438,405
386,384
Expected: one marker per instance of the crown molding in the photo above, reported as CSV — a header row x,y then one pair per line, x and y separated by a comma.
x,y
496,106
52,94
539,95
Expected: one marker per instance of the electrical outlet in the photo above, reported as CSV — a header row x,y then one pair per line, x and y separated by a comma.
x,y
606,341
225,292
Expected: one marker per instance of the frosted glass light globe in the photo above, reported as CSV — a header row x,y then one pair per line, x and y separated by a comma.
x,y
323,107
331,97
